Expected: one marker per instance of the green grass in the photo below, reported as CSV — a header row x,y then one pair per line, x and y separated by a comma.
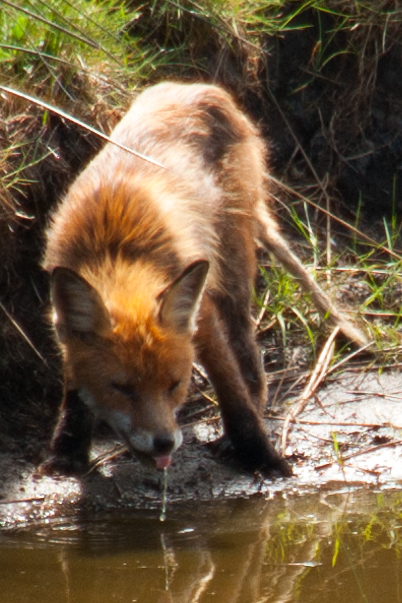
x,y
337,545
87,58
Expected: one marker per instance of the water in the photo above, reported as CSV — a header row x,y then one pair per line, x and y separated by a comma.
x,y
165,480
330,547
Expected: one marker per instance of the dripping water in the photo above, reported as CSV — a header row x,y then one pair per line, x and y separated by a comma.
x,y
162,515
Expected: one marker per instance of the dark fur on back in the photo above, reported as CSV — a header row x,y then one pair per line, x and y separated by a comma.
x,y
154,266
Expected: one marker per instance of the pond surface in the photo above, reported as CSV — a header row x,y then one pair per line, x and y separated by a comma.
x,y
330,546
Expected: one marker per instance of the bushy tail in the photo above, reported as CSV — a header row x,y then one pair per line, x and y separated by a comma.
x,y
270,237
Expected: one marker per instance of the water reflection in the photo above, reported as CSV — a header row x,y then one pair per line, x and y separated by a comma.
x,y
342,547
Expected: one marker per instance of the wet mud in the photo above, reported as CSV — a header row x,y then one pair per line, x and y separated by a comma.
x,y
349,436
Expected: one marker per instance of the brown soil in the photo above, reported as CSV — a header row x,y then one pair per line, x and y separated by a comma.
x,y
334,122
347,437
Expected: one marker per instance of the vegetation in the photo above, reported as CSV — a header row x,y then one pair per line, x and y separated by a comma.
x,y
350,551
319,76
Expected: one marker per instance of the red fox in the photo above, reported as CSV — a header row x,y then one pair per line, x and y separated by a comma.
x,y
152,268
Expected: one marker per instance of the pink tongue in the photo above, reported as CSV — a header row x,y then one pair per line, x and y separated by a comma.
x,y
162,462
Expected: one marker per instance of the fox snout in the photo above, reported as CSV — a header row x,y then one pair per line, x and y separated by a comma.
x,y
164,446
158,444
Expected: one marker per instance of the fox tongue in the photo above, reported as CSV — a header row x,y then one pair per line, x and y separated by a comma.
x,y
162,462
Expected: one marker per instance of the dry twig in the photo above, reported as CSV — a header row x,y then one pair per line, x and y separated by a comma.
x,y
317,376
338,423
260,316
22,500
24,335
360,452
102,459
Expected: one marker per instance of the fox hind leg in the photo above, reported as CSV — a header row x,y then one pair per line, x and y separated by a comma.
x,y
242,421
240,332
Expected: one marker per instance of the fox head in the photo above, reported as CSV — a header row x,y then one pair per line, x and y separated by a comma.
x,y
132,367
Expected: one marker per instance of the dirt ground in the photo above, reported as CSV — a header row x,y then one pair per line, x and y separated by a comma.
x,y
349,435
339,108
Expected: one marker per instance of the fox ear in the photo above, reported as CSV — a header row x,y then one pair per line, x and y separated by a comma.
x,y
179,302
78,306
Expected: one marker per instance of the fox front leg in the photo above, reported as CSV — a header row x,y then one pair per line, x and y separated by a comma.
x,y
69,450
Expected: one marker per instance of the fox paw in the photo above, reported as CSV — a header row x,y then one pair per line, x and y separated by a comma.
x,y
256,456
221,447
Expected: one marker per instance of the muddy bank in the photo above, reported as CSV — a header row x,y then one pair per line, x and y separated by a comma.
x,y
332,116
325,93
348,436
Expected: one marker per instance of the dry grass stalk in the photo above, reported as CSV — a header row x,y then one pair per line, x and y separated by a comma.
x,y
24,335
103,459
350,227
319,373
77,122
359,453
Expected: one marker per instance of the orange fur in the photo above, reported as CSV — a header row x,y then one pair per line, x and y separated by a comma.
x,y
153,267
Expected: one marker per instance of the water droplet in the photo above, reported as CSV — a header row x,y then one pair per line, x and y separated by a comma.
x,y
162,515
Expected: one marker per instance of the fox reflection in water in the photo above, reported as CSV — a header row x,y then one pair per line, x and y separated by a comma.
x,y
339,547
217,554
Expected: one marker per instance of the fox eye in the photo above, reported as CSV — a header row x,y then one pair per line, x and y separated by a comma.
x,y
173,387
123,388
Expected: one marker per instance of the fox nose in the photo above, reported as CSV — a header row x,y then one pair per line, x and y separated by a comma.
x,y
163,444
